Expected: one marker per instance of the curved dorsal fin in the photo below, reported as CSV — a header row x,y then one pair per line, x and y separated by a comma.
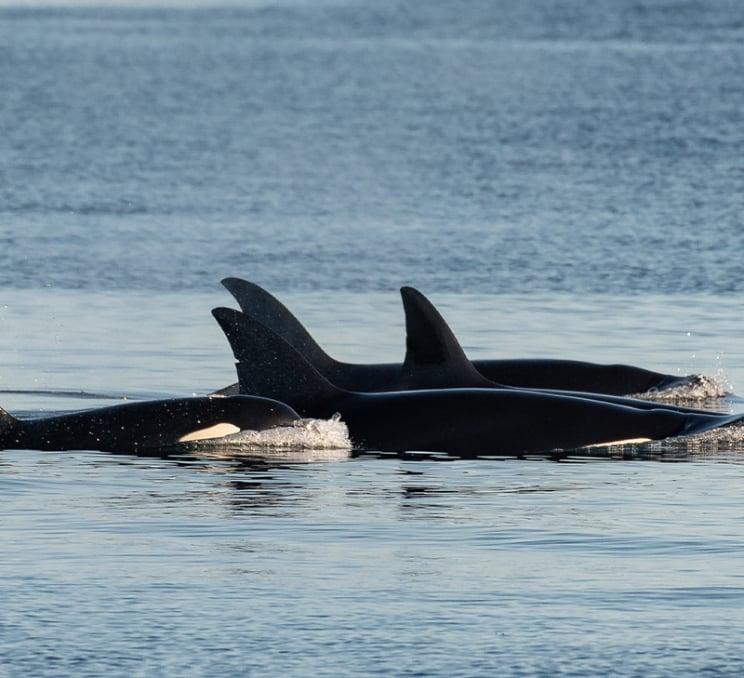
x,y
268,366
430,343
268,310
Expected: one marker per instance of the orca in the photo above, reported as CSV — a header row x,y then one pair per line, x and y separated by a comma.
x,y
457,421
435,359
142,427
569,375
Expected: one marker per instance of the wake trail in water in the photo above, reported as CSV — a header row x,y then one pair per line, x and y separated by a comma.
x,y
64,393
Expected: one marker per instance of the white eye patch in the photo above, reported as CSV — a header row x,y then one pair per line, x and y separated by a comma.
x,y
216,431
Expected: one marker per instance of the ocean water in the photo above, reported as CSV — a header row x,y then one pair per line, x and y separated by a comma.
x,y
563,179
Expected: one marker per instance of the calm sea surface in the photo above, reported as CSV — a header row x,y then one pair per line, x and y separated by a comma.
x,y
564,179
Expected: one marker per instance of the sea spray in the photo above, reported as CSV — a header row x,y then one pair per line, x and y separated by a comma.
x,y
302,440
716,442
700,388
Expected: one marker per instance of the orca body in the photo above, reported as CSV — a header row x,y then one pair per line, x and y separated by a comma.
x,y
569,375
460,421
142,427
435,359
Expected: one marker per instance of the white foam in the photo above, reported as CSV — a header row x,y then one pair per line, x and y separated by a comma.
x,y
726,439
726,434
700,387
303,440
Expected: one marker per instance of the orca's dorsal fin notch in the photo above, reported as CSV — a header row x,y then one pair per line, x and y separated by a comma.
x,y
255,301
269,367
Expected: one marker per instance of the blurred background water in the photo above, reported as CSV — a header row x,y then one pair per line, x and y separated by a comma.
x,y
563,178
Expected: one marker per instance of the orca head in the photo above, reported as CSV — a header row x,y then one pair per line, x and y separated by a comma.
x,y
228,415
256,413
667,382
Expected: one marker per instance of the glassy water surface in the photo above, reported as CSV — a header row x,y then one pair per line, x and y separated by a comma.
x,y
563,179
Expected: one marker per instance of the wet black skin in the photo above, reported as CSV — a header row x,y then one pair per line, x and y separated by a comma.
x,y
471,422
570,375
140,426
575,375
463,421
434,358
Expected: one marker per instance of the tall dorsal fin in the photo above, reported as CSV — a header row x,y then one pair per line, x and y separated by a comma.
x,y
268,366
430,343
268,310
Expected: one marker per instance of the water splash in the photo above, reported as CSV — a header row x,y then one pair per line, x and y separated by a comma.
x,y
715,442
303,440
699,388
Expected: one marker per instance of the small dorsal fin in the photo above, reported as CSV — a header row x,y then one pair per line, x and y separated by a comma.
x,y
268,366
268,310
7,421
430,343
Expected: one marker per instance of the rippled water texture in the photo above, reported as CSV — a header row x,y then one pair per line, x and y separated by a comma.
x,y
467,145
322,563
564,179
